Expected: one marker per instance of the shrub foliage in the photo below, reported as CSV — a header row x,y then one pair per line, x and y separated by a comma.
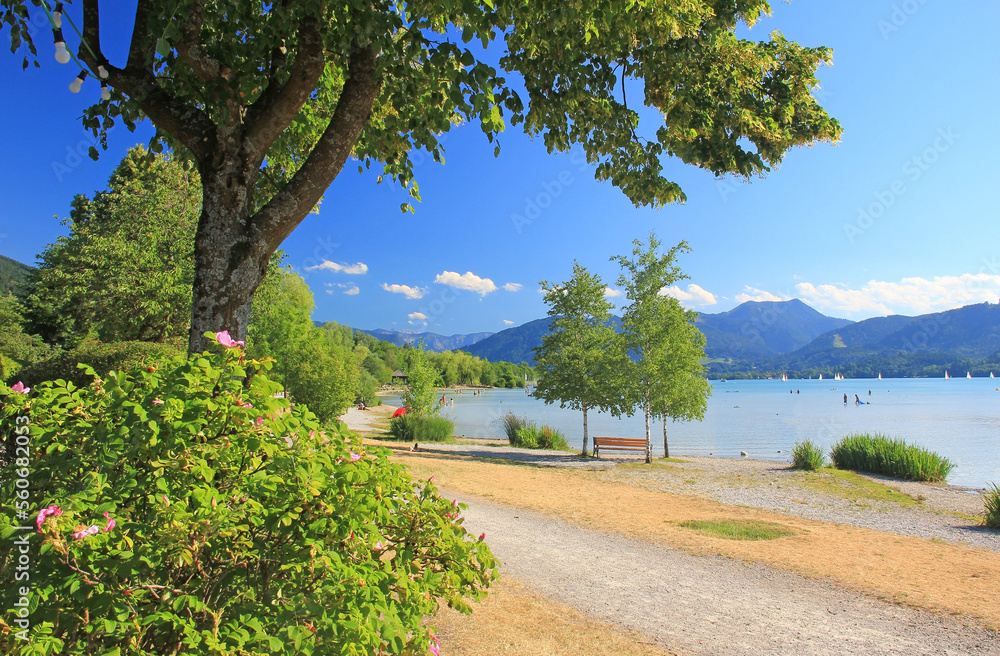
x,y
527,435
879,454
198,514
412,428
807,455
991,506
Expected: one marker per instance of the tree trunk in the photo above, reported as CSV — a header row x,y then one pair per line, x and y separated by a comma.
x,y
666,448
584,454
649,440
230,257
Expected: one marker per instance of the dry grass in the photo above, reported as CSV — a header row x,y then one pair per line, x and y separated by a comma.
x,y
942,577
515,620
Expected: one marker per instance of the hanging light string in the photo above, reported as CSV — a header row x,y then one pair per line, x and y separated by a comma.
x,y
102,74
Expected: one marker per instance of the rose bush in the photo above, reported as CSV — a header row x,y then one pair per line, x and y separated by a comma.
x,y
182,508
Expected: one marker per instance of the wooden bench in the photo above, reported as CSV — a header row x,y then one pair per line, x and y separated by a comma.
x,y
618,444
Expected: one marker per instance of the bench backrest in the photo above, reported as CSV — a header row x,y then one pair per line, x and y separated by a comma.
x,y
619,441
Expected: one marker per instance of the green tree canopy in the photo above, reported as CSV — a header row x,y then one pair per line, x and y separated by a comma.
x,y
270,100
666,347
581,362
126,268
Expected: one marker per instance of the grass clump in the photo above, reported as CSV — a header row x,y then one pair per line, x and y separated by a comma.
x,y
807,455
527,435
411,428
738,529
991,506
879,454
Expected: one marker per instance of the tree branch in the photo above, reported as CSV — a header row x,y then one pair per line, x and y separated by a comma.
x,y
288,207
189,47
274,110
186,123
139,51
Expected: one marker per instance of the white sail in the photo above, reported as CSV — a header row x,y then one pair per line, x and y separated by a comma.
x,y
968,374
946,376
821,376
880,376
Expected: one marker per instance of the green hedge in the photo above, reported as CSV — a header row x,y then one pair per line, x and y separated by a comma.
x,y
807,455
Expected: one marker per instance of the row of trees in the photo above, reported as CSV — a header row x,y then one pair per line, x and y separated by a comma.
x,y
653,365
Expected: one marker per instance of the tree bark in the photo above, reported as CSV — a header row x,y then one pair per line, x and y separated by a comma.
x,y
649,437
584,454
231,258
666,447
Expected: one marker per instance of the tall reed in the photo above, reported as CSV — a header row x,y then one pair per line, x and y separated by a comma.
x,y
991,506
880,454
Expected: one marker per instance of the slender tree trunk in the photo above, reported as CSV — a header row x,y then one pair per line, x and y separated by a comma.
x,y
649,440
230,257
666,448
584,454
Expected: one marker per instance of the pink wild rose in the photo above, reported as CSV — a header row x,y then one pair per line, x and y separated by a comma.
x,y
482,537
45,513
19,388
87,532
227,341
260,421
157,402
111,522
355,457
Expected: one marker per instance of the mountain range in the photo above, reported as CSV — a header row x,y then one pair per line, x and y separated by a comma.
x,y
432,341
12,274
765,338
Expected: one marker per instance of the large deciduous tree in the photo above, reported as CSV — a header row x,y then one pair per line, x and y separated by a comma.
x,y
666,348
580,362
269,100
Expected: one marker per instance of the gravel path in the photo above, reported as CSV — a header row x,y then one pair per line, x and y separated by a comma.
x,y
707,605
945,512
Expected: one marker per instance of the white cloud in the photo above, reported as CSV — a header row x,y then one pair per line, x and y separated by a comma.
x,y
405,290
759,295
417,318
328,291
351,290
908,296
467,280
694,296
353,269
513,286
508,322
612,293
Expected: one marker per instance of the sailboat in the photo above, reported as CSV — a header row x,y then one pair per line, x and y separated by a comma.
x,y
968,374
821,376
946,376
991,374
784,378
880,375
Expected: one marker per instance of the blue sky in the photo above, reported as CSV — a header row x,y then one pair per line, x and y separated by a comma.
x,y
899,217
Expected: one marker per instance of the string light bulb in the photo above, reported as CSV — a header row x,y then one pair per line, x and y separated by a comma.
x,y
62,53
105,92
57,15
103,72
77,82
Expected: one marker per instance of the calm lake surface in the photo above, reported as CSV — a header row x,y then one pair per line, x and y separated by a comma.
x,y
957,418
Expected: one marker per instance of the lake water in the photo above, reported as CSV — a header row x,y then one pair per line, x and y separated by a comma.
x,y
957,418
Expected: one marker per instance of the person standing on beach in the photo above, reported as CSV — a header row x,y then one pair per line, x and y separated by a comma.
x,y
857,401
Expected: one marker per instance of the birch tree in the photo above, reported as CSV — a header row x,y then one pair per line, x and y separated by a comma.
x,y
581,360
665,348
